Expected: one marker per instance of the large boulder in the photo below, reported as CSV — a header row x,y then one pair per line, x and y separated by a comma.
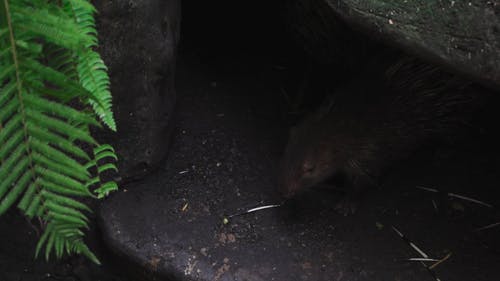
x,y
138,41
463,36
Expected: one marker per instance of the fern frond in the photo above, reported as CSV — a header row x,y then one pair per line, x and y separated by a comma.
x,y
101,153
105,189
61,189
28,196
37,117
62,60
82,12
54,28
10,181
66,201
94,78
46,62
58,142
17,190
91,68
79,173
57,79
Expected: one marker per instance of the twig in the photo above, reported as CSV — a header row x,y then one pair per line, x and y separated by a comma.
x,y
255,210
420,252
470,199
435,206
422,259
440,261
456,196
488,226
225,220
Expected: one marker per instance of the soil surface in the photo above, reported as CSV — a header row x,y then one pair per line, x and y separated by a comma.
x,y
231,130
224,157
18,239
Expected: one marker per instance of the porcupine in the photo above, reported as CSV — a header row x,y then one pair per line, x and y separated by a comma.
x,y
379,118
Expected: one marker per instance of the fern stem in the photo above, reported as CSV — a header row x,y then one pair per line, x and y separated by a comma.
x,y
19,87
38,125
13,49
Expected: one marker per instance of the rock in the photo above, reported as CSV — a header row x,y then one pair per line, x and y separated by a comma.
x,y
324,37
138,42
463,36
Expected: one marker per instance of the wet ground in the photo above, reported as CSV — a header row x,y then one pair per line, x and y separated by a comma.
x,y
18,238
231,129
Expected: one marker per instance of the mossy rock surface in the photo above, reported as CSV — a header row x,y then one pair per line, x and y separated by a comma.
x,y
461,35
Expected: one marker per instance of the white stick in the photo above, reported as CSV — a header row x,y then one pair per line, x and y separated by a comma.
x,y
422,253
422,259
262,208
470,199
488,226
457,196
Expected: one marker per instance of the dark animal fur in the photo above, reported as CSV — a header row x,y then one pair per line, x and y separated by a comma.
x,y
373,121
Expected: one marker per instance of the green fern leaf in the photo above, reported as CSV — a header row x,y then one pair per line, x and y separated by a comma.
x,y
79,173
7,71
52,27
13,159
46,63
59,126
61,60
11,143
57,109
93,77
81,248
9,109
10,179
12,126
106,167
106,154
61,180
58,142
7,92
48,246
27,197
105,189
33,206
61,189
91,68
43,238
66,211
57,78
64,218
15,192
63,200
56,155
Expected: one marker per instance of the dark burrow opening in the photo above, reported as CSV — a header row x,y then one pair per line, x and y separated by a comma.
x,y
304,59
279,44
260,63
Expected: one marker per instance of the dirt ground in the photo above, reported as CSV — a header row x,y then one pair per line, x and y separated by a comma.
x,y
363,246
17,248
232,127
